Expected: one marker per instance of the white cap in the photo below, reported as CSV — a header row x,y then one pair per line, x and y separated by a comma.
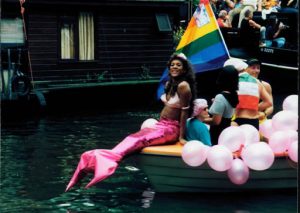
x,y
199,105
238,64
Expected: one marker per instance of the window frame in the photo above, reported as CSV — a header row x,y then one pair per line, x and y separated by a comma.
x,y
73,18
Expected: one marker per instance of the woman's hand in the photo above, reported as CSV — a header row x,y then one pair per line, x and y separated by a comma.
x,y
182,141
261,115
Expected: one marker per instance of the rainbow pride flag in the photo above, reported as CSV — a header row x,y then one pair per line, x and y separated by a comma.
x,y
202,43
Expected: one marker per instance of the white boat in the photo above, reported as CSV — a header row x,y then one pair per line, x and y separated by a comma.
x,y
167,172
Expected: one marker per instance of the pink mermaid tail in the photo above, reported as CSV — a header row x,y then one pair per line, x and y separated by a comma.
x,y
104,162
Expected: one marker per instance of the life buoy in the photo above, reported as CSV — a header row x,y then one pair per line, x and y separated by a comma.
x,y
21,85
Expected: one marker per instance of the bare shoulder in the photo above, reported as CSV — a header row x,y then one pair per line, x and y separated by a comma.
x,y
266,84
183,86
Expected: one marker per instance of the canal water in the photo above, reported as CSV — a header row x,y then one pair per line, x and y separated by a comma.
x,y
39,155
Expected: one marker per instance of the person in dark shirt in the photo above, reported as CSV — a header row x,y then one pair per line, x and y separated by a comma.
x,y
224,103
249,31
274,30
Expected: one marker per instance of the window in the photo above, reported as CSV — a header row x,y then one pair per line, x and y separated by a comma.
x,y
67,41
163,22
11,32
77,37
86,36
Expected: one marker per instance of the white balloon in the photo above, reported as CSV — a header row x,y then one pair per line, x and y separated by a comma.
x,y
293,151
149,123
258,156
290,103
239,172
232,137
285,120
266,128
194,153
279,141
251,133
292,136
219,158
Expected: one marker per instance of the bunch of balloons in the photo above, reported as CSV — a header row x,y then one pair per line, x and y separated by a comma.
x,y
282,130
239,147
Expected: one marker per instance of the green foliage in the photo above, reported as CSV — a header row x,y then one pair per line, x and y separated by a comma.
x,y
145,72
177,34
195,3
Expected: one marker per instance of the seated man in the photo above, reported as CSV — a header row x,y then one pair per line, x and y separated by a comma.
x,y
223,20
195,128
274,30
249,29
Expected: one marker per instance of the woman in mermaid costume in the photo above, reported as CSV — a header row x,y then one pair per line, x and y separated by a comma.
x,y
180,91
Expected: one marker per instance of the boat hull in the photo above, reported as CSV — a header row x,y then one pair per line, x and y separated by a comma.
x,y
169,173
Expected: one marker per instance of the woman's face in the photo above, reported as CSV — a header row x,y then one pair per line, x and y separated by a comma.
x,y
176,68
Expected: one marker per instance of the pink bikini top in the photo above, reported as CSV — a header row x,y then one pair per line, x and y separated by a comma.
x,y
173,102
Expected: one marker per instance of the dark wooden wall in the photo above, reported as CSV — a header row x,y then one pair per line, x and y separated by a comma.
x,y
128,45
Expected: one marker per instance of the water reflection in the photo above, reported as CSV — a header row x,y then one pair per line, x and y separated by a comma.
x,y
38,158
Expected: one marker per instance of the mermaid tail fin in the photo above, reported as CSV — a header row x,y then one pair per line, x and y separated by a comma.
x,y
105,166
102,162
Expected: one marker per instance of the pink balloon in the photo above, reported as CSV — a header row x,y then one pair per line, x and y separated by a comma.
x,y
194,153
292,136
293,151
232,137
290,103
251,133
239,172
266,128
279,141
219,158
258,156
285,120
149,123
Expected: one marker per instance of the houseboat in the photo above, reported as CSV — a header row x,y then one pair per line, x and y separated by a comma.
x,y
49,46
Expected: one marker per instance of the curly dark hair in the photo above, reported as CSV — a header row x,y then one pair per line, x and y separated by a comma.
x,y
228,80
188,76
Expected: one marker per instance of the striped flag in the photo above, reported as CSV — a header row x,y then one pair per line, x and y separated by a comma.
x,y
202,43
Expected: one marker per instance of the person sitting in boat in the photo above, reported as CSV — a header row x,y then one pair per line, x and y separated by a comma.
x,y
179,94
252,5
251,90
224,103
249,29
254,66
274,29
226,5
223,20
195,128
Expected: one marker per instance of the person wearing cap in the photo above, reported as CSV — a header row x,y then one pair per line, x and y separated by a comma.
x,y
224,103
195,128
250,92
254,66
